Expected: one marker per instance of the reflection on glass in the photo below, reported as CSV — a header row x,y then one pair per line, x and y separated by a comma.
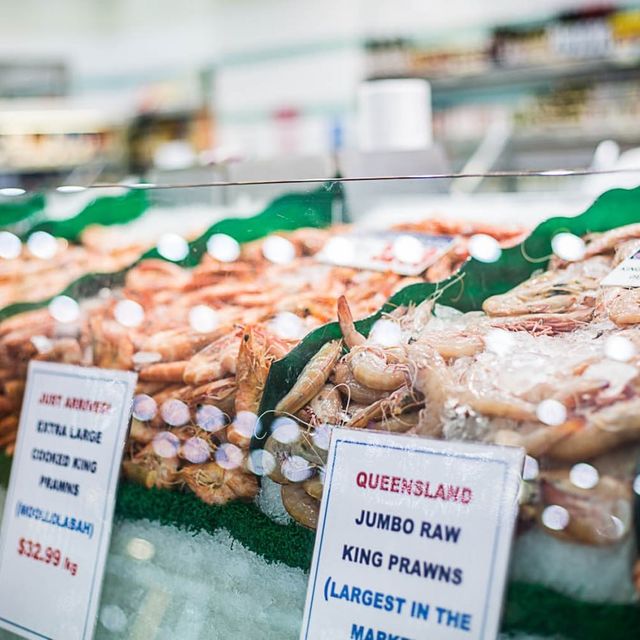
x,y
64,309
296,469
223,247
619,348
278,250
555,517
144,407
173,247
261,462
203,318
210,418
285,430
128,313
568,246
42,245
584,476
175,412
195,450
551,412
166,444
228,456
10,245
140,549
484,248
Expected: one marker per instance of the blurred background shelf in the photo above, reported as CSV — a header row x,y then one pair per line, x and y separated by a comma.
x,y
545,84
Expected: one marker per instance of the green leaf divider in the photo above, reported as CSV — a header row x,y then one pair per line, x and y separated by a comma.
x,y
286,213
17,211
104,210
466,290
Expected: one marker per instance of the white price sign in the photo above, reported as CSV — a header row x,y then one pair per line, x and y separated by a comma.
x,y
626,274
59,507
405,253
413,539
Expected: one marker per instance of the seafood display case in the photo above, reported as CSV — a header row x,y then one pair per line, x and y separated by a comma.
x,y
255,333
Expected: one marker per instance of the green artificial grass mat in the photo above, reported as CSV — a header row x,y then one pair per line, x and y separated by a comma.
x,y
529,608
290,544
544,612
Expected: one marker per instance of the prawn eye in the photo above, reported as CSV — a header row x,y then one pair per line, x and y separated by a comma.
x,y
245,337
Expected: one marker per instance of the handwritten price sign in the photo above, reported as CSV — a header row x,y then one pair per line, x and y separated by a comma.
x,y
57,519
48,555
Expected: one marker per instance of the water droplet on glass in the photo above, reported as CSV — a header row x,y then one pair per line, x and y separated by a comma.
x,y
64,309
531,468
12,192
42,245
166,444
568,246
619,348
285,430
555,517
484,248
499,341
245,423
407,249
203,318
296,469
228,456
144,407
196,450
551,412
113,618
140,549
340,250
174,412
70,188
210,418
288,326
321,436
128,313
10,245
173,247
386,333
584,476
278,250
261,462
222,247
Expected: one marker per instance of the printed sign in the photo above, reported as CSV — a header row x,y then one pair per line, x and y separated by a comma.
x,y
413,539
59,507
408,254
626,274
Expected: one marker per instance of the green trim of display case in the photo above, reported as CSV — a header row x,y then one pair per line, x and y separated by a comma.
x,y
104,211
466,290
18,210
289,212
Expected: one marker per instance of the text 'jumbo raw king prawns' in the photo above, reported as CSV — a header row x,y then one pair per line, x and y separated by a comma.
x,y
552,365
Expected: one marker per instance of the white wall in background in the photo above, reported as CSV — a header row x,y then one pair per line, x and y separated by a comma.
x,y
269,54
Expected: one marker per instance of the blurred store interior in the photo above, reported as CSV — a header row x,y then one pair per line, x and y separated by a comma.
x,y
152,90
